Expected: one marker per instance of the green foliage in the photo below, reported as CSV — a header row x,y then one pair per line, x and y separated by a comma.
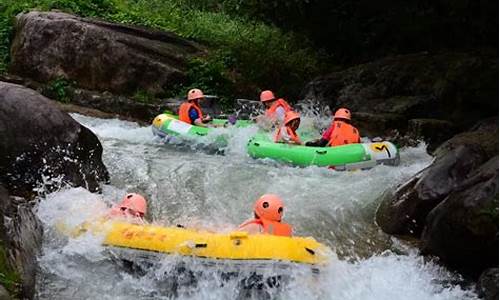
x,y
8,277
59,89
210,75
5,32
143,96
244,57
492,210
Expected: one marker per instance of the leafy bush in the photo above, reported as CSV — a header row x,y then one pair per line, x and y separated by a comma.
x,y
143,96
59,89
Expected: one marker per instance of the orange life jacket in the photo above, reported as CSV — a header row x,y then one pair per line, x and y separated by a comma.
x,y
343,134
271,111
271,227
184,112
288,131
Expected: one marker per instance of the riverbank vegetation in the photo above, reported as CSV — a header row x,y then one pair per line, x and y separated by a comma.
x,y
245,55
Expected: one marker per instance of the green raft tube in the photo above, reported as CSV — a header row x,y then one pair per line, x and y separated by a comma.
x,y
169,125
346,157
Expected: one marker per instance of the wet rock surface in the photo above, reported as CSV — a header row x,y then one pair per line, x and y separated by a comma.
x,y
463,229
4,294
43,147
488,284
98,55
452,205
404,211
21,236
459,88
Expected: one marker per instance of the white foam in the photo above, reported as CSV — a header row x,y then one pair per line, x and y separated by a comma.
x,y
217,191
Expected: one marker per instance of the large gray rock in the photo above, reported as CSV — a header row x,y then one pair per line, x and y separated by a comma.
x,y
21,238
4,294
404,210
98,55
385,94
44,147
463,229
488,284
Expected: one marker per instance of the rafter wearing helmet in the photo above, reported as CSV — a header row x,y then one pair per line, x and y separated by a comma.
x,y
340,132
268,214
190,111
288,132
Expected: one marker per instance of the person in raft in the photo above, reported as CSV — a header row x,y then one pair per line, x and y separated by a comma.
x,y
133,207
190,111
275,108
340,132
287,133
268,212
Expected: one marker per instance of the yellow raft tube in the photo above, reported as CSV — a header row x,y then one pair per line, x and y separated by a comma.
x,y
236,245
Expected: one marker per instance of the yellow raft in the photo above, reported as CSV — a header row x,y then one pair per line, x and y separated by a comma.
x,y
236,245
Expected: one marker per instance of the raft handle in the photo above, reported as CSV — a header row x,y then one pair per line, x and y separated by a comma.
x,y
200,134
256,144
321,151
200,245
311,251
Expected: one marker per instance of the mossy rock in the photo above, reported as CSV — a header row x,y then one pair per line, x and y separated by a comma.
x,y
9,278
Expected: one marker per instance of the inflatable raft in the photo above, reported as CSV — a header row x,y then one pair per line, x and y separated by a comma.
x,y
346,157
187,242
169,125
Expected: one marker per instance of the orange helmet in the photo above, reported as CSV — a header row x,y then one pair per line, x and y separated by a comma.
x,y
342,113
267,96
290,116
194,94
269,207
134,204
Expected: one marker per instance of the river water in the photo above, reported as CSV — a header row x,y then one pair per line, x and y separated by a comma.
x,y
193,187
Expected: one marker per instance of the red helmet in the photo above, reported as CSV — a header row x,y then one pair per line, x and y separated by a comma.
x,y
269,207
266,96
133,204
342,113
194,94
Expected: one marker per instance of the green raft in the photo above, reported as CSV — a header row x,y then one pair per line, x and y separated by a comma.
x,y
346,157
167,125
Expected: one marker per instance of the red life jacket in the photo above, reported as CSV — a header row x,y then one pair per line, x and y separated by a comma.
x,y
271,111
343,134
184,112
271,227
288,131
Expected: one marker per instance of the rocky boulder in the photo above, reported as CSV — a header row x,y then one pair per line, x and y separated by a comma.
x,y
404,210
21,238
43,147
4,294
98,55
452,205
463,229
488,284
385,94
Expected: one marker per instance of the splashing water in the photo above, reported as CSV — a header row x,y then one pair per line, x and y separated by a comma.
x,y
217,191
